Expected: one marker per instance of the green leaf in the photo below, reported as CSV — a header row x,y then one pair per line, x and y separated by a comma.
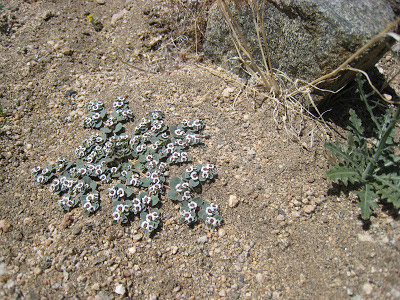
x,y
154,200
118,128
174,182
198,201
128,192
389,189
146,182
173,195
342,155
105,130
193,183
345,174
367,204
202,214
356,124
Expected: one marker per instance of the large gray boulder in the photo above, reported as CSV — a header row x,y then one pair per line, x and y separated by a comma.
x,y
306,38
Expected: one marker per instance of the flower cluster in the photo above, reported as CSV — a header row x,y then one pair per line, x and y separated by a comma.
x,y
191,208
138,162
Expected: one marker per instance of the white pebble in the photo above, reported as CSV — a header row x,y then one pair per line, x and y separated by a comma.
x,y
233,201
120,289
367,288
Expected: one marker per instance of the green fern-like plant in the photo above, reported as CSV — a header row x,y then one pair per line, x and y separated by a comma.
x,y
370,165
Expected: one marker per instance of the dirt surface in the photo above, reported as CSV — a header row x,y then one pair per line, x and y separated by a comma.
x,y
288,233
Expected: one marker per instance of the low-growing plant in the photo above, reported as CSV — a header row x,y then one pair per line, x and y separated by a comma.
x,y
136,165
369,164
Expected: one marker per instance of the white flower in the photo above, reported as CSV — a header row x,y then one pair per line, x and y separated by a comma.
x,y
194,176
209,210
116,215
111,192
120,192
211,221
137,208
192,205
40,179
144,225
96,116
214,206
146,200
120,208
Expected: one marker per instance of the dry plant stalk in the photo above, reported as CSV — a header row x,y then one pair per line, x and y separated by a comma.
x,y
240,42
288,93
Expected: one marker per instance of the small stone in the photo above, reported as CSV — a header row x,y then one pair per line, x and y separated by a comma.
x,y
101,2
174,250
67,220
295,214
37,271
227,92
259,278
116,17
280,218
48,14
127,273
77,230
221,232
137,237
120,289
5,226
203,239
67,51
96,286
367,288
233,201
4,273
365,237
251,152
308,209
132,250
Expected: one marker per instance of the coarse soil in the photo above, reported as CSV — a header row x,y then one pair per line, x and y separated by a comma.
x,y
288,232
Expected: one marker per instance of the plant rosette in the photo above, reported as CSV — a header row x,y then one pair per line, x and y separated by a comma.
x,y
135,165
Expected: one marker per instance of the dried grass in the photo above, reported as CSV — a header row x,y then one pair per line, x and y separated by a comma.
x,y
292,98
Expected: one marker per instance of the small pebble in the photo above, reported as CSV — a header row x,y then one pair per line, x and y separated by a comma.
x,y
77,230
5,226
174,250
203,239
367,288
233,201
280,218
221,232
37,271
137,237
308,209
120,289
